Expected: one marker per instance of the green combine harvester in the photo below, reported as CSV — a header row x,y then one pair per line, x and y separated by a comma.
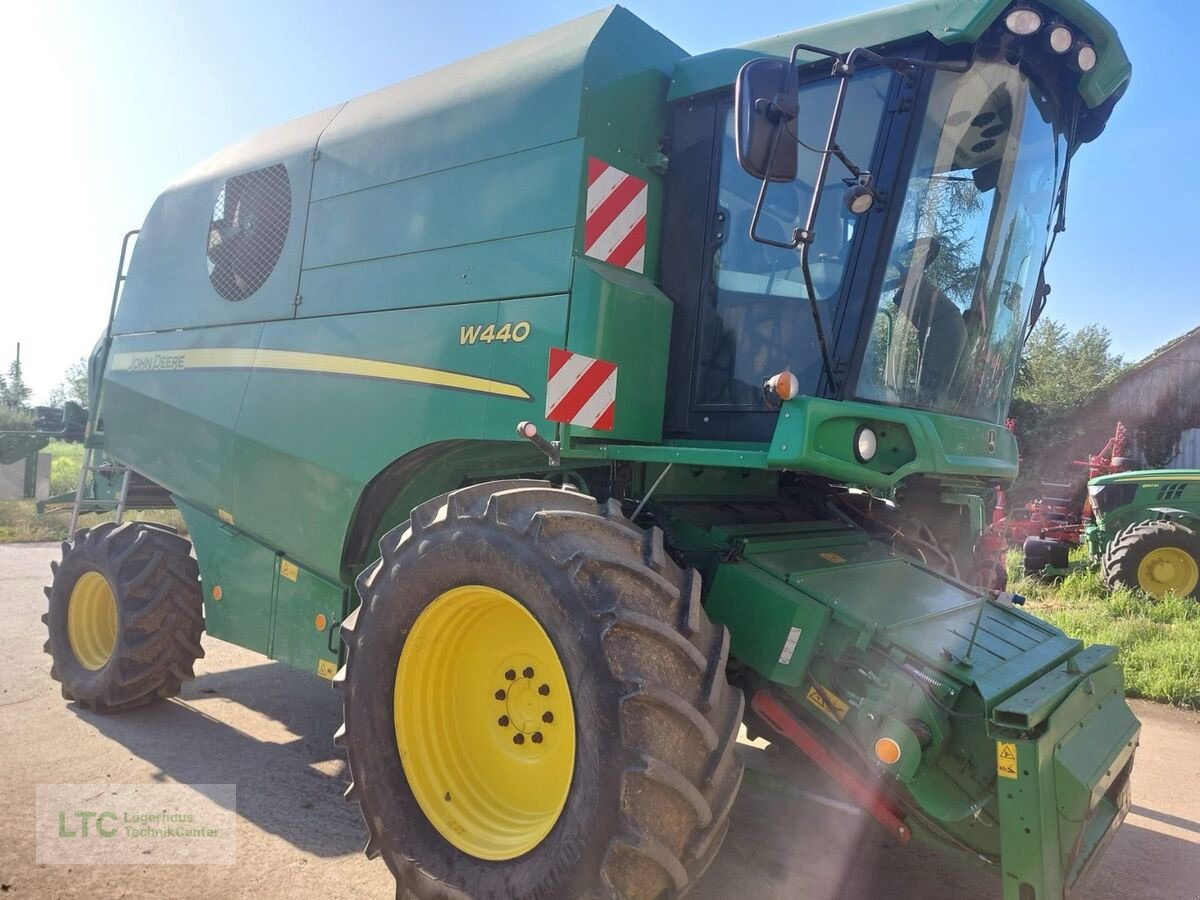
x,y
575,404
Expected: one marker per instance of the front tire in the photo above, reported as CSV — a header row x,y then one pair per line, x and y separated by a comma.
x,y
1155,557
643,704
125,615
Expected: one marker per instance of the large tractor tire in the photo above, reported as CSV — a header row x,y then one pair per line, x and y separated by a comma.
x,y
536,703
125,616
1155,557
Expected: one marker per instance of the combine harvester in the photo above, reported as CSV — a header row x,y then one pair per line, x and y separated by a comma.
x,y
572,404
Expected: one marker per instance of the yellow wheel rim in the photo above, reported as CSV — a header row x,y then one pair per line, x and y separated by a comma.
x,y
92,620
484,722
1168,569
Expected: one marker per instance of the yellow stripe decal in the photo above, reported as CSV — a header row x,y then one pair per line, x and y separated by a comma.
x,y
299,361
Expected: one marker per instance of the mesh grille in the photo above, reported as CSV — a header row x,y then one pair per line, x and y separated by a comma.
x,y
249,226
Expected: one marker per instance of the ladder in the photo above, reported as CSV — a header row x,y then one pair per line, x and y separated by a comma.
x,y
93,440
97,503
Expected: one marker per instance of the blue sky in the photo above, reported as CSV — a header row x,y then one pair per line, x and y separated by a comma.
x,y
106,102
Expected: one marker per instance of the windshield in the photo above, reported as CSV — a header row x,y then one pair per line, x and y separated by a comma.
x,y
971,238
759,321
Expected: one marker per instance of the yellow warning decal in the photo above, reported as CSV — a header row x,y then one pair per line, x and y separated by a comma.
x,y
832,557
225,517
326,669
827,702
288,569
1006,759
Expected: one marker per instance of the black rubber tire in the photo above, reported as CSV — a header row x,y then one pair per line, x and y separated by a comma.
x,y
1039,554
1126,551
656,772
160,615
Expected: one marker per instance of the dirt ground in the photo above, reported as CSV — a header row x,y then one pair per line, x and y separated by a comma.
x,y
267,728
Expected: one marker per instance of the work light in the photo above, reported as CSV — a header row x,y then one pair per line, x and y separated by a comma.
x,y
865,444
1023,21
1061,39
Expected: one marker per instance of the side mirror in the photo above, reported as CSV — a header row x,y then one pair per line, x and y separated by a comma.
x,y
765,100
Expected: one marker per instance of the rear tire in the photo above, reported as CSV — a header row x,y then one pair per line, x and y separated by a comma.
x,y
655,720
125,616
1130,559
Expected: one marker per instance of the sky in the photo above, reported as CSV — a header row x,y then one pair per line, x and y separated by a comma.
x,y
105,102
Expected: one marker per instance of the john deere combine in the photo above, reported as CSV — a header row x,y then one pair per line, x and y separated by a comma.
x,y
580,401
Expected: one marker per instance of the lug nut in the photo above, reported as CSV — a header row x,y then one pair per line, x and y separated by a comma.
x,y
544,690
547,717
510,675
518,738
537,737
502,721
500,695
528,673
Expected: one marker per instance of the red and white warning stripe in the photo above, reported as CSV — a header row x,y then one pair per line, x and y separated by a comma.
x,y
581,390
614,228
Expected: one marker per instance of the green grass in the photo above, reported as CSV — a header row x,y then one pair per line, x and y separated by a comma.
x,y
20,523
1159,640
65,460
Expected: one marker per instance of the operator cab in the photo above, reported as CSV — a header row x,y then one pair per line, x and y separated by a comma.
x,y
911,274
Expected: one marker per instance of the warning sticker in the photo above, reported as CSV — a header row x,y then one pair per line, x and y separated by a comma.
x,y
326,669
1006,759
288,569
832,557
827,702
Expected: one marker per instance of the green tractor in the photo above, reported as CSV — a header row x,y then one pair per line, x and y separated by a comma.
x,y
574,405
1146,532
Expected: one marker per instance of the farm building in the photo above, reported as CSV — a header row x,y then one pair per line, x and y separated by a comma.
x,y
1158,401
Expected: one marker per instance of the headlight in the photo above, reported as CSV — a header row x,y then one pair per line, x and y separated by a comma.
x,y
1086,58
1023,21
1061,39
865,444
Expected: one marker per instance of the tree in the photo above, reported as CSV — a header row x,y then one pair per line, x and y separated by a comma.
x,y
1065,368
1060,372
14,392
74,385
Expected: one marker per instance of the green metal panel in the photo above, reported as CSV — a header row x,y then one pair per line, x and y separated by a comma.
x,y
949,21
308,440
772,627
523,193
530,93
921,442
296,638
527,265
168,284
1068,790
621,317
238,574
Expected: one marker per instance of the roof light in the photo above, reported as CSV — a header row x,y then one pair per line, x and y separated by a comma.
x,y
1023,21
1061,39
1086,58
865,444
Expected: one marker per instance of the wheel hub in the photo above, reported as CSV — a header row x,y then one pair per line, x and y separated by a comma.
x,y
484,722
92,620
1167,569
528,710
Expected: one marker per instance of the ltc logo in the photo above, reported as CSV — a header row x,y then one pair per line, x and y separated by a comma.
x,y
95,819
